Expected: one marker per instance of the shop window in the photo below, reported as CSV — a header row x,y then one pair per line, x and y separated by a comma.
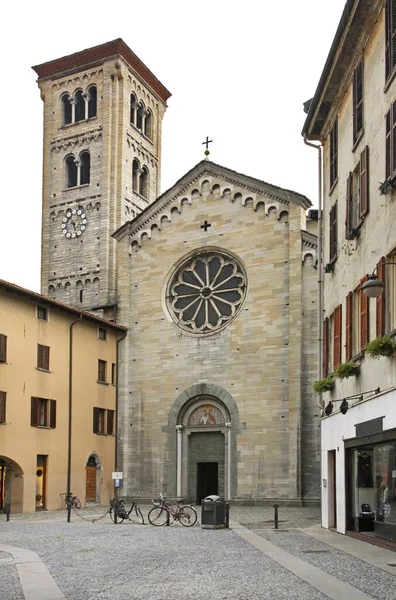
x,y
43,357
43,413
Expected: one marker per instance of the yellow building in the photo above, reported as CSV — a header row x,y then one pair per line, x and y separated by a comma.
x,y
57,401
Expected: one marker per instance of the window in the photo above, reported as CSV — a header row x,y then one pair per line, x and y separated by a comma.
x,y
66,109
43,413
43,353
135,175
381,302
102,333
357,201
389,297
326,347
337,323
85,168
79,107
139,117
334,154
42,313
99,415
3,396
78,170
333,233
364,315
390,38
133,109
110,422
92,101
390,142
143,180
102,364
3,348
348,327
148,124
113,374
71,171
358,101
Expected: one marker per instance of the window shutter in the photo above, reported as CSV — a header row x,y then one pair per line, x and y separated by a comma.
x,y
39,356
358,100
326,347
388,145
3,396
393,136
52,414
337,336
364,316
333,232
110,422
380,301
46,353
33,412
388,38
95,420
3,347
334,153
348,326
349,206
364,182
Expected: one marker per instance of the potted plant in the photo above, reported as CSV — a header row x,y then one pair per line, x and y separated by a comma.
x,y
324,385
380,346
346,369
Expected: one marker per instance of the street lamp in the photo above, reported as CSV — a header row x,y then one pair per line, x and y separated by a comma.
x,y
374,287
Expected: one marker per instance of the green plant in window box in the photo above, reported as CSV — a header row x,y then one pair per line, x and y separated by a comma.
x,y
324,385
346,369
380,346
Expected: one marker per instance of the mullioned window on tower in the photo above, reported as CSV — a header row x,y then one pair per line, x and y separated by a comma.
x,y
78,169
79,106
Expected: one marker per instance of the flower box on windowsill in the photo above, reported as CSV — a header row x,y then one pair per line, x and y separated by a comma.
x,y
324,385
380,346
346,369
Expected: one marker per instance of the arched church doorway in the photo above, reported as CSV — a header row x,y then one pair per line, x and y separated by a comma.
x,y
92,479
203,465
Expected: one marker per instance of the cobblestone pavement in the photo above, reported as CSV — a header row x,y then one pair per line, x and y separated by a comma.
x,y
133,562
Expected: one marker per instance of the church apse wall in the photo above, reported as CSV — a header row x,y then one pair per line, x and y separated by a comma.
x,y
210,283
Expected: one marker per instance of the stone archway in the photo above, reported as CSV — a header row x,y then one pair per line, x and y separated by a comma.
x,y
210,433
11,485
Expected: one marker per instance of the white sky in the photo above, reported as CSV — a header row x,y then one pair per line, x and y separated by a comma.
x,y
239,72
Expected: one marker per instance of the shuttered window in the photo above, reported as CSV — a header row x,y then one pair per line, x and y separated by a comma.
x,y
334,154
390,142
349,220
326,347
43,354
3,347
99,420
358,100
380,300
364,315
364,182
390,38
110,422
348,326
337,336
333,233
3,397
43,412
102,371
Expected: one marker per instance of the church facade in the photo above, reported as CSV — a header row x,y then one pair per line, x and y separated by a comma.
x,y
215,279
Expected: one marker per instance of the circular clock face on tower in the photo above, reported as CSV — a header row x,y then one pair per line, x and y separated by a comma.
x,y
74,223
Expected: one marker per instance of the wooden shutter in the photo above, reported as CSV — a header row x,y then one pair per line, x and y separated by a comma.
x,y
326,347
333,232
33,412
388,145
348,326
393,136
358,100
52,414
43,357
349,207
334,154
364,182
3,347
96,420
388,38
364,315
3,396
110,422
337,336
380,301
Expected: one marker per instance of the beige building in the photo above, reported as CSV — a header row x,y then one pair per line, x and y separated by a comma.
x,y
57,402
215,396
353,114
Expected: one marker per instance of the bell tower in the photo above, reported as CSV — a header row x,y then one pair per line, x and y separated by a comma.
x,y
103,111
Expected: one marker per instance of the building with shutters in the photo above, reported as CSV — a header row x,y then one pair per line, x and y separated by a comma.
x,y
57,402
353,114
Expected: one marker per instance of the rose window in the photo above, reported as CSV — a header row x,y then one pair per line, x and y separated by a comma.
x,y
207,292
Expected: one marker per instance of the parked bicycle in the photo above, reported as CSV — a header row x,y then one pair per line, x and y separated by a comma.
x,y
163,512
118,508
72,502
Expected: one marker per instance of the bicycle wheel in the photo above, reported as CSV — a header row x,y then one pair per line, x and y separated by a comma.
x,y
158,516
77,503
119,518
136,515
187,516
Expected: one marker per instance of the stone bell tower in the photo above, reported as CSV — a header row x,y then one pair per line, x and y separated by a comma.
x,y
103,111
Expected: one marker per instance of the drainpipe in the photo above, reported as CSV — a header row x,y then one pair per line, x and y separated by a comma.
x,y
116,405
69,436
320,266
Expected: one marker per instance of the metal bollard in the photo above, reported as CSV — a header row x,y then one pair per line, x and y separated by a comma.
x,y
276,506
7,510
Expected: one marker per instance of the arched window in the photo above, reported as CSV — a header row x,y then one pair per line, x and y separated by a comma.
x,y
139,117
92,101
79,106
135,175
143,182
71,171
133,109
148,124
66,110
85,167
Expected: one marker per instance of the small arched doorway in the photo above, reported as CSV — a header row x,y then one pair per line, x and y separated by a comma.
x,y
92,479
11,485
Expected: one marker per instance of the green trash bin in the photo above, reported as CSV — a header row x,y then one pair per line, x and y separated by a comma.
x,y
213,512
